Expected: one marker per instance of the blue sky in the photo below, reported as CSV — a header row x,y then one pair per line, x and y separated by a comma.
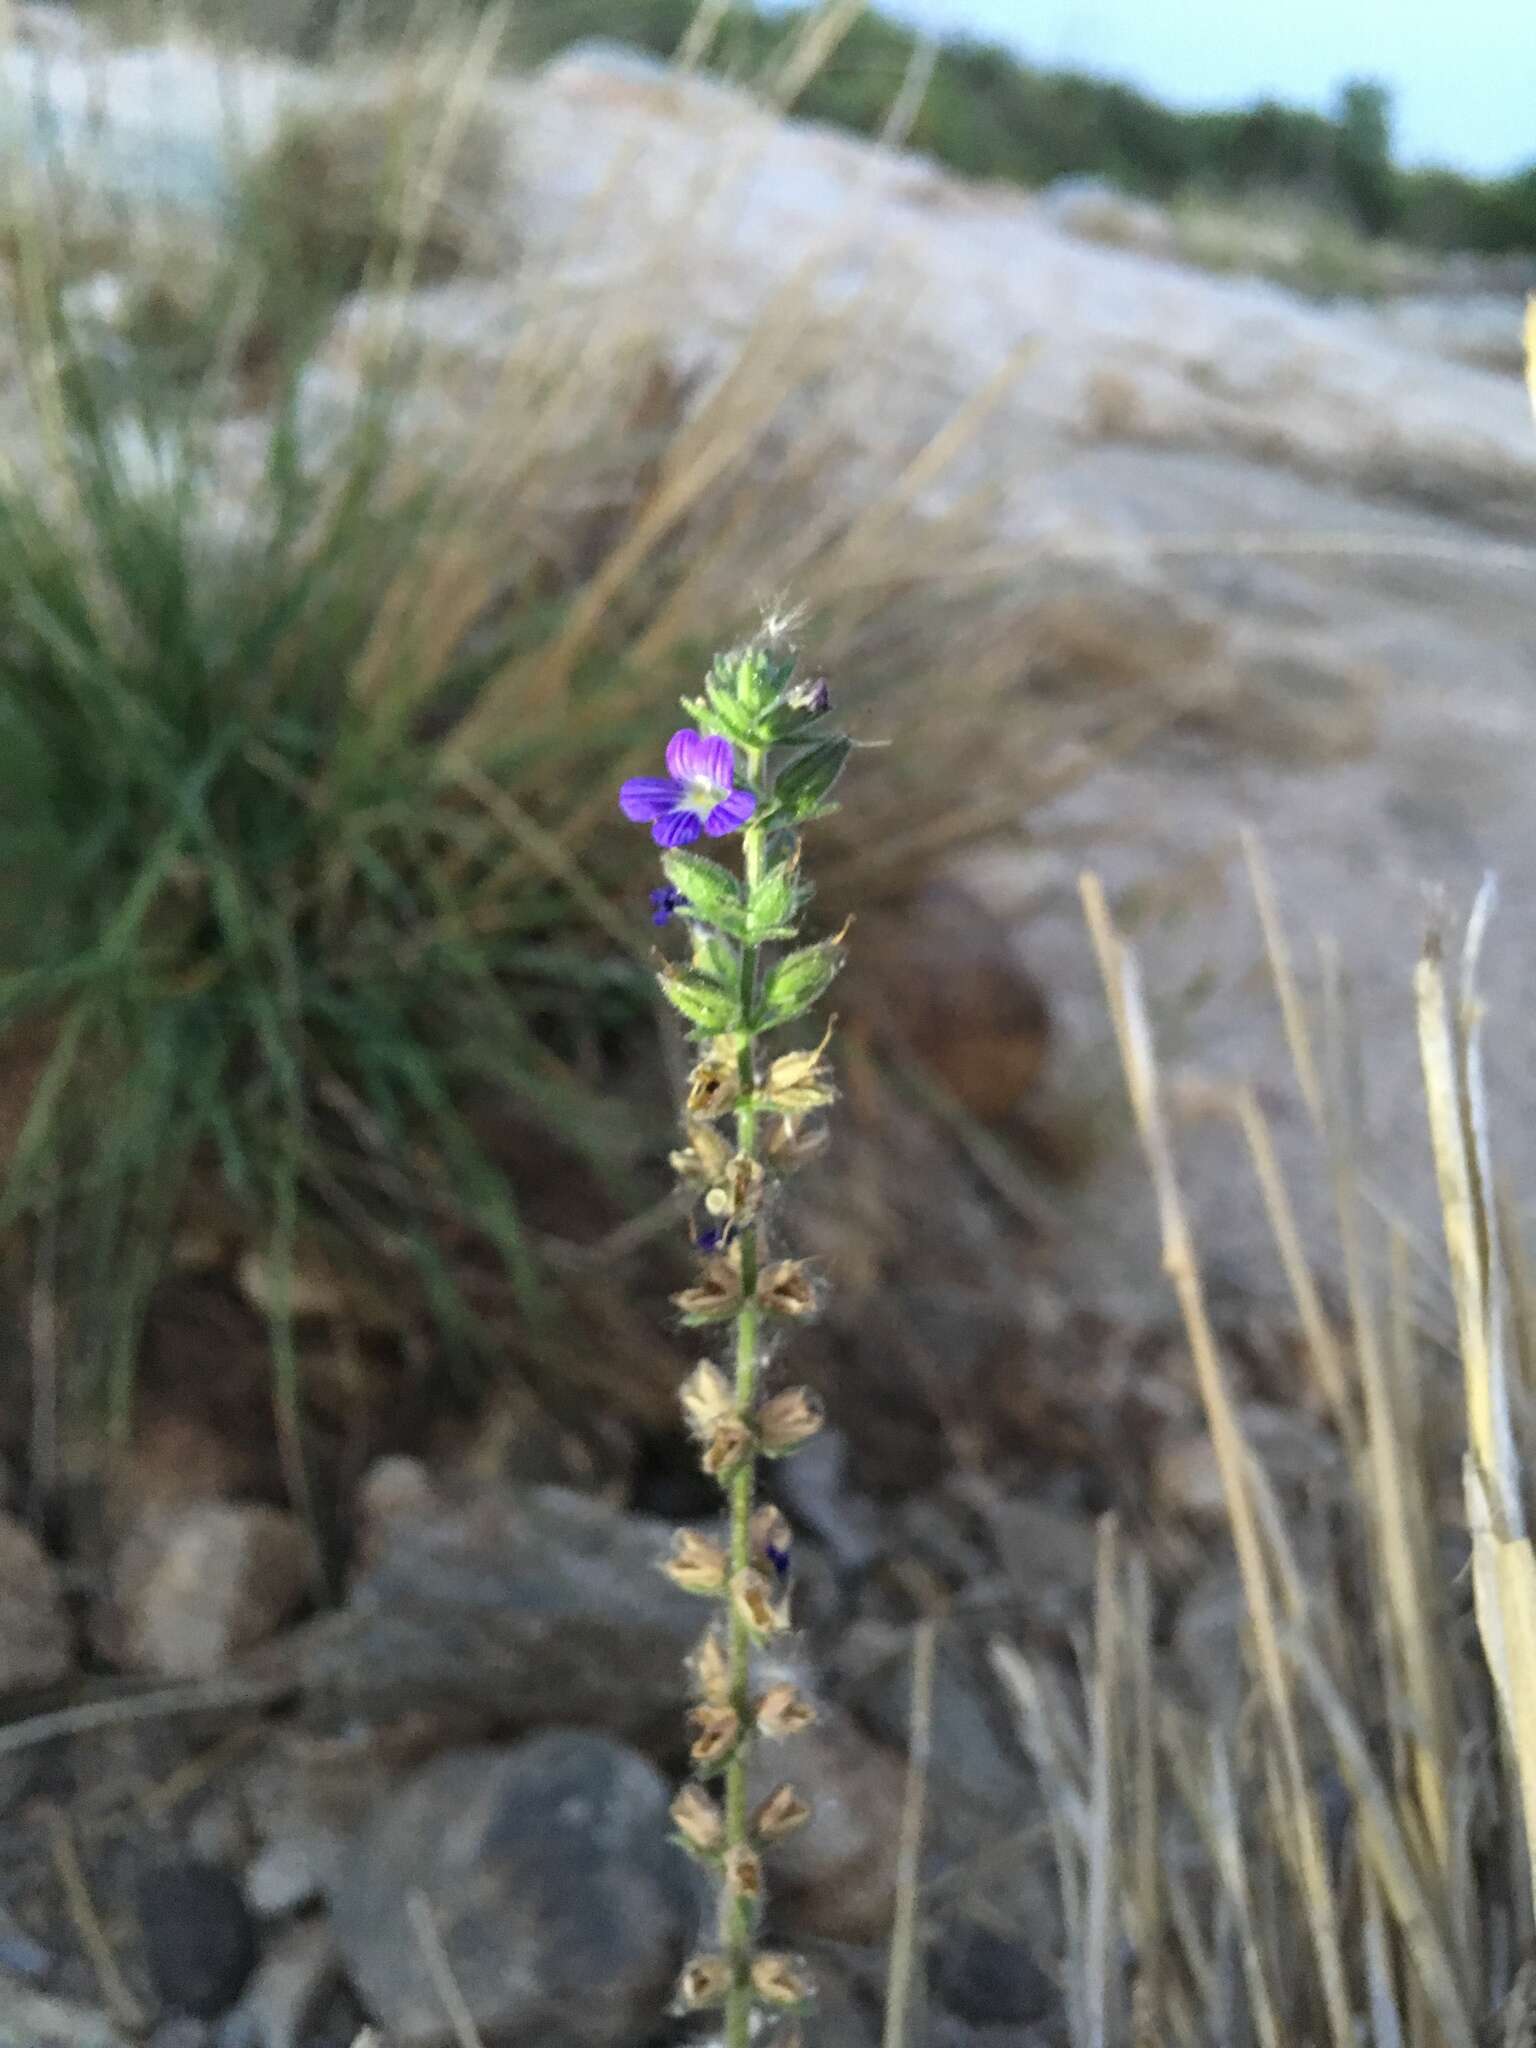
x,y
1463,72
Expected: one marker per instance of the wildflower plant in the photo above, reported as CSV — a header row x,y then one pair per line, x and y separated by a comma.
x,y
758,762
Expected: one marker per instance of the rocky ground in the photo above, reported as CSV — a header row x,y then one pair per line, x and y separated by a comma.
x,y
1309,531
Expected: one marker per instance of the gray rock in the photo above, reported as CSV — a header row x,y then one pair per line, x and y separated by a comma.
x,y
523,1606
819,1497
544,1871
199,1943
36,1643
977,1766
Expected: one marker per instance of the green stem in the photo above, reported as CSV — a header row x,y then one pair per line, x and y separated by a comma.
x,y
738,1929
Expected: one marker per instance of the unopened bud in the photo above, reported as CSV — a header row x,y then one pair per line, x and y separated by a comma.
x,y
711,1671
706,1398
783,1711
716,1294
753,1598
698,1820
780,1980
782,1814
715,1730
784,1289
730,1444
697,1564
743,1874
704,1983
787,1420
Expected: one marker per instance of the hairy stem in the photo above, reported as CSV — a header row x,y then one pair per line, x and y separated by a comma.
x,y
738,1930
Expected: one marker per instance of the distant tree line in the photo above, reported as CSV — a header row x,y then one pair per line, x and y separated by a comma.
x,y
988,114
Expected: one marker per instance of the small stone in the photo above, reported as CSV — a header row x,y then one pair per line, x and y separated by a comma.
x,y
545,1874
36,1642
192,1586
284,1876
199,1943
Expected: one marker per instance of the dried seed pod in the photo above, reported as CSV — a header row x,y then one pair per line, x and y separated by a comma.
x,y
771,1540
743,1871
704,1983
787,1420
780,1980
798,1082
706,1399
783,1711
785,1289
710,1668
698,1820
753,1598
790,1147
715,1730
730,1444
713,1086
704,1158
698,1564
716,1295
782,1814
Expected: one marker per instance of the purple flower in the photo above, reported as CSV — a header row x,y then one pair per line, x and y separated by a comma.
x,y
814,696
664,902
697,793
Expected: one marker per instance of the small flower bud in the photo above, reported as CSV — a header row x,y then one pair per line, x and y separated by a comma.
x,y
771,1540
710,1669
781,1981
713,1086
782,1711
782,1814
697,1564
787,1420
698,1820
704,1983
753,1598
716,1731
716,1294
730,1444
705,1157
812,694
743,1874
706,1399
784,1289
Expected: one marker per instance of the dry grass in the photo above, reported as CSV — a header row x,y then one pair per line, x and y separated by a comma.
x,y
1345,1859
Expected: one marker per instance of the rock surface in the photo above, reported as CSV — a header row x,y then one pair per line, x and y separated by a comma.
x,y
544,1872
193,1585
502,1603
36,1642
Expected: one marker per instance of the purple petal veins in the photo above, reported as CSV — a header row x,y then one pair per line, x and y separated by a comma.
x,y
645,797
731,814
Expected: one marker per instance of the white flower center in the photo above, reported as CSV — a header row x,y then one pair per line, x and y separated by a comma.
x,y
702,795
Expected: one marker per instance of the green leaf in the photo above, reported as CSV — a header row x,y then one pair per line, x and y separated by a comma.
x,y
798,981
708,1006
773,904
718,717
803,787
716,959
714,895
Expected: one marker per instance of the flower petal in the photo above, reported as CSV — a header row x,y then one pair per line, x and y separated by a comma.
x,y
677,828
691,757
645,797
732,814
